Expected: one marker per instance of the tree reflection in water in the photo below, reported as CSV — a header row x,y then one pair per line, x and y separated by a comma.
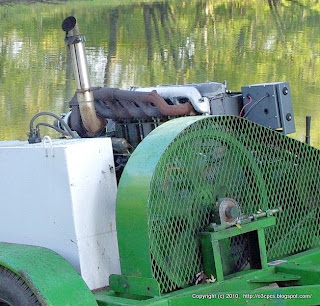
x,y
157,42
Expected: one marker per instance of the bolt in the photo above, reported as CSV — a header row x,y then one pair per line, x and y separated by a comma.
x,y
289,117
285,90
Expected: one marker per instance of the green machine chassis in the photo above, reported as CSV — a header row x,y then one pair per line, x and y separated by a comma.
x,y
50,277
173,249
167,201
59,284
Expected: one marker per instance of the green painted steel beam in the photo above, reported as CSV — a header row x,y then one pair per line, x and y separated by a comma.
x,y
228,293
310,257
243,288
277,277
245,228
236,291
216,254
310,274
50,277
134,285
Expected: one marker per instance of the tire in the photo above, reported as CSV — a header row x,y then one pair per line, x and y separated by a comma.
x,y
14,291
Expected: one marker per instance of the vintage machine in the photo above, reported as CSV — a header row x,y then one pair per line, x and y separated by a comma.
x,y
165,195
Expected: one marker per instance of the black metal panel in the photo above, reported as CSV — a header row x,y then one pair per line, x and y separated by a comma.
x,y
270,105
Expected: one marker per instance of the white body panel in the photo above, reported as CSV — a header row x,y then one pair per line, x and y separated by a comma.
x,y
63,199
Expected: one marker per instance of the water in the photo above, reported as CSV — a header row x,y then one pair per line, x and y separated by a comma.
x,y
146,43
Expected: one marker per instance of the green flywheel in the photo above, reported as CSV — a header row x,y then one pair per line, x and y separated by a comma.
x,y
169,190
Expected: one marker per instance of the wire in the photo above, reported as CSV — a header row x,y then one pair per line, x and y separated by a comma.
x,y
250,100
255,104
52,127
54,116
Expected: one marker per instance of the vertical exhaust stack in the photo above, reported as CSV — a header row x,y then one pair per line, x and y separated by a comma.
x,y
75,42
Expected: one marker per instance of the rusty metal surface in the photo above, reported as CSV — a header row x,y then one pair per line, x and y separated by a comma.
x,y
114,103
91,122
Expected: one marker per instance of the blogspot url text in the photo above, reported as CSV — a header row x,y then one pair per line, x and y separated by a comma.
x,y
251,296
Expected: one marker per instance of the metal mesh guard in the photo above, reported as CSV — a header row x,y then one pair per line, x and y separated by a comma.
x,y
230,157
170,186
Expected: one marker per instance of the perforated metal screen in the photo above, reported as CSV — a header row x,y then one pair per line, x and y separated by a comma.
x,y
229,157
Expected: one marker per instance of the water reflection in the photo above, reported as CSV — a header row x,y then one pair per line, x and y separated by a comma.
x,y
112,47
274,9
150,43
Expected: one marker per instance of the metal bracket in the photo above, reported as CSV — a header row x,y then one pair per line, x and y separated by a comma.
x,y
213,241
47,144
134,285
71,40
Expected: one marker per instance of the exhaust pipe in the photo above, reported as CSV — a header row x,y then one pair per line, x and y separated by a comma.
x,y
75,42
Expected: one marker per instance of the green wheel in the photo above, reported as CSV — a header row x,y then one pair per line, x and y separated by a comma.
x,y
172,182
14,291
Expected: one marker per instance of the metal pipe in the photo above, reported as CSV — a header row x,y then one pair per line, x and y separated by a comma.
x,y
308,128
172,92
75,42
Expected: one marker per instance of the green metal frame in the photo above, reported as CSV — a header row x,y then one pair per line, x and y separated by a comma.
x,y
212,243
299,273
270,161
50,277
284,170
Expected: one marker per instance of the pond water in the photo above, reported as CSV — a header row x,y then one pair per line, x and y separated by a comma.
x,y
146,43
